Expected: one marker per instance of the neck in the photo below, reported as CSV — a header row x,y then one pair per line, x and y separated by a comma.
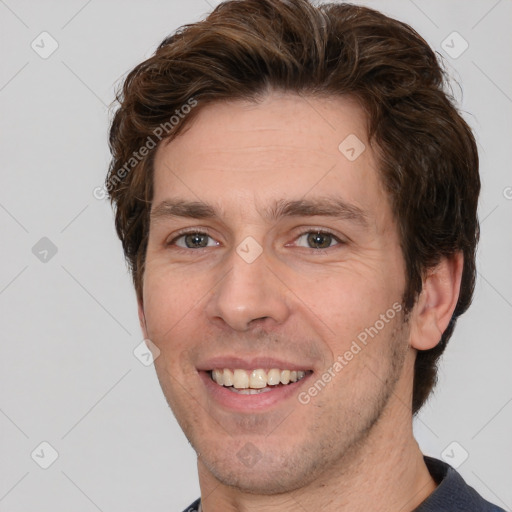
x,y
387,469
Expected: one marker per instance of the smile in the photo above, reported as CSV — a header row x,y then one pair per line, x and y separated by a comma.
x,y
251,382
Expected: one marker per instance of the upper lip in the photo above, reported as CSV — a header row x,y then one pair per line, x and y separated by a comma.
x,y
251,363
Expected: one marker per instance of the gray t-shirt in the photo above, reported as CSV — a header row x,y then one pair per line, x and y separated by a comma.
x,y
451,495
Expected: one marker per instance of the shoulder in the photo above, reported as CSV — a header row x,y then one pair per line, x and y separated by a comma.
x,y
452,494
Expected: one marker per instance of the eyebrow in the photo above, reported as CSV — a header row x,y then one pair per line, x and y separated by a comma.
x,y
320,206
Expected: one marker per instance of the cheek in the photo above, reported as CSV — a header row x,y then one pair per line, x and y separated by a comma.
x,y
351,294
346,303
170,299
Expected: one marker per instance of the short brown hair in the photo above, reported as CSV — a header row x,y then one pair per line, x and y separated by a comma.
x,y
244,48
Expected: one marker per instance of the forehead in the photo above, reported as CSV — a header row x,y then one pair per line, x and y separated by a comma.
x,y
242,154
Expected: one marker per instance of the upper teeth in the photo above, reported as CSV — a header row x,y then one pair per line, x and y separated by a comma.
x,y
256,379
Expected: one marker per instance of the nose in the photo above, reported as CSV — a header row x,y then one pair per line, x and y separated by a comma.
x,y
250,294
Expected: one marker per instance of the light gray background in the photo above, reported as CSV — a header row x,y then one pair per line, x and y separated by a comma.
x,y
69,326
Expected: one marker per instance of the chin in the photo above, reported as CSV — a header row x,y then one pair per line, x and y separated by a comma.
x,y
271,475
261,481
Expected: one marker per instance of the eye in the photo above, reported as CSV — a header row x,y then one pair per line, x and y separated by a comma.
x,y
317,240
194,240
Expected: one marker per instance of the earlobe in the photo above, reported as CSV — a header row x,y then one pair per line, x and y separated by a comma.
x,y
436,303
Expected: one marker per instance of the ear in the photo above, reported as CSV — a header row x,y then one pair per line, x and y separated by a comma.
x,y
436,303
142,318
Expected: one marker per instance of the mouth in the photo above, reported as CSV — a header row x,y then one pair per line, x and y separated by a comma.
x,y
253,382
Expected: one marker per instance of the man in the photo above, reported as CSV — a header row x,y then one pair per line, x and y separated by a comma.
x,y
296,196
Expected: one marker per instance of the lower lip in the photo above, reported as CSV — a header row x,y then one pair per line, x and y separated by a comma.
x,y
250,403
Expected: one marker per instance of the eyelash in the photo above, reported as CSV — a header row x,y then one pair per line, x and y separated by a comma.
x,y
205,231
179,234
338,241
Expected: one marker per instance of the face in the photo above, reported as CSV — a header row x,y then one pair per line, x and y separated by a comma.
x,y
273,257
